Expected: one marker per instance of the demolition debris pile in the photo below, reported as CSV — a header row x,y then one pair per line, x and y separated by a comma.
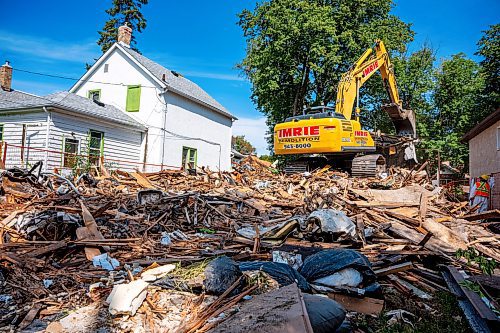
x,y
123,250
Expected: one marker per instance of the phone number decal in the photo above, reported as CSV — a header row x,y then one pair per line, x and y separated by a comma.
x,y
297,146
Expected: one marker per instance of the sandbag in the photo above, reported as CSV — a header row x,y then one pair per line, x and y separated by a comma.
x,y
220,274
282,273
328,262
325,315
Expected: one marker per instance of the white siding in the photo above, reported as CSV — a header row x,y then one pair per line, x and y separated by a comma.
x,y
119,143
204,127
35,124
122,146
181,116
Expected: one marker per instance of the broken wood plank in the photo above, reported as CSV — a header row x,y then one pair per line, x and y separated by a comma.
x,y
84,233
142,180
418,292
489,214
366,305
30,316
394,269
483,310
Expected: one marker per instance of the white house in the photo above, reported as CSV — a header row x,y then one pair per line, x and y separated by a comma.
x,y
58,127
185,125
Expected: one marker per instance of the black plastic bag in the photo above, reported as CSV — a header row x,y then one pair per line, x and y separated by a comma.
x,y
282,273
325,315
220,274
328,262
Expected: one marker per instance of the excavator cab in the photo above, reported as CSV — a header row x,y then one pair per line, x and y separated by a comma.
x,y
335,134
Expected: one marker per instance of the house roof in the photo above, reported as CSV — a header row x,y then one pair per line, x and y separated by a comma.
x,y
17,100
177,83
487,122
20,100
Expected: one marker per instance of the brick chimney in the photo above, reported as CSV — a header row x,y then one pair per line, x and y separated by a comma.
x,y
125,34
6,76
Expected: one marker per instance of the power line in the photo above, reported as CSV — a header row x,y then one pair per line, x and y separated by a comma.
x,y
73,79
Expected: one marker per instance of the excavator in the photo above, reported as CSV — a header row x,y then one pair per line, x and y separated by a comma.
x,y
326,135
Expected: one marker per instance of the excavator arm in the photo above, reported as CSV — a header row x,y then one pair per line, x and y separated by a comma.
x,y
358,74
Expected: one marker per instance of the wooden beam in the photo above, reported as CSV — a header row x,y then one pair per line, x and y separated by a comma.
x,y
366,305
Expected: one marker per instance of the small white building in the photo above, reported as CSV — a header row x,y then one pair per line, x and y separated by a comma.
x,y
186,127
66,131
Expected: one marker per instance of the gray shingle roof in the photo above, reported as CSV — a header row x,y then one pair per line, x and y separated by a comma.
x,y
20,100
178,83
68,101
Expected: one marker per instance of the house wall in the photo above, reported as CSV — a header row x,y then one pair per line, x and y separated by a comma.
x,y
484,158
36,125
122,146
123,72
202,127
120,143
183,117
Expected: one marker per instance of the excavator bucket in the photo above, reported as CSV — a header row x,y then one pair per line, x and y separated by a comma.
x,y
403,120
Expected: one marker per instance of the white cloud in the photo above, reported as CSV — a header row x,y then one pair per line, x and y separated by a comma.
x,y
254,130
44,48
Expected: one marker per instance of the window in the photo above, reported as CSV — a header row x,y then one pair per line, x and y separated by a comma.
x,y
1,132
71,147
133,98
95,94
498,138
106,68
189,158
96,146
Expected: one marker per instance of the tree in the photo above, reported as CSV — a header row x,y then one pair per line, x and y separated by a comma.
x,y
414,74
298,49
120,12
459,83
489,49
240,144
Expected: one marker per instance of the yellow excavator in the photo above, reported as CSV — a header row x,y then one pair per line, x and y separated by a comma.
x,y
330,135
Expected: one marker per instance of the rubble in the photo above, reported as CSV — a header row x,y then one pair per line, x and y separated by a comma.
x,y
143,244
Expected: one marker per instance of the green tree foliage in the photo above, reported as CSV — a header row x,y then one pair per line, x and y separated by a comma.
x,y
268,158
489,49
120,12
240,144
414,73
298,49
459,84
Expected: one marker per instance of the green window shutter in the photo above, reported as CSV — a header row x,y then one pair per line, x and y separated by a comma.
x,y
133,98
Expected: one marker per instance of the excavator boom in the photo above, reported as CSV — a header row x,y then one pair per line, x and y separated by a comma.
x,y
337,134
359,73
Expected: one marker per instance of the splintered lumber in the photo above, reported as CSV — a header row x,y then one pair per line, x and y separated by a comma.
x,y
394,269
261,313
30,315
5,222
366,305
489,214
84,233
89,232
142,180
482,309
420,293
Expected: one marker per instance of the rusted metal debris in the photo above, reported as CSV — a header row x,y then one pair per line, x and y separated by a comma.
x,y
50,232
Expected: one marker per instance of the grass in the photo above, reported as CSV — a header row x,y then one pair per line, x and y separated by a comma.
x,y
444,316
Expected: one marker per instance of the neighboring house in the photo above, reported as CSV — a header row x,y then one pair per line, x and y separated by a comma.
x,y
186,126
38,128
484,153
448,173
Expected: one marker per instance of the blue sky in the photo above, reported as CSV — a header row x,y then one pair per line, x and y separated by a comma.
x,y
197,38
